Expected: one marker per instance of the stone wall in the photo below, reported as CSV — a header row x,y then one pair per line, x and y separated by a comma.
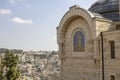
x,y
87,64
112,66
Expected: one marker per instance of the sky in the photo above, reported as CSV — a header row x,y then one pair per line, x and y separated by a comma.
x,y
31,24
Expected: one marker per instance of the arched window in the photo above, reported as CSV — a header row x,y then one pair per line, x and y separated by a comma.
x,y
78,42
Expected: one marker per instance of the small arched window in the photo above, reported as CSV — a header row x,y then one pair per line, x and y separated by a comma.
x,y
78,42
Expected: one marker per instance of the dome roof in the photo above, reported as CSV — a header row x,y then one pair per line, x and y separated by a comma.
x,y
108,8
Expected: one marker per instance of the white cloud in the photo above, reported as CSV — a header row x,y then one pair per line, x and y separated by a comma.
x,y
53,38
5,11
28,5
14,1
22,21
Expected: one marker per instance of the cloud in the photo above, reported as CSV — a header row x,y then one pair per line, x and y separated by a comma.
x,y
28,5
5,11
14,1
53,38
22,21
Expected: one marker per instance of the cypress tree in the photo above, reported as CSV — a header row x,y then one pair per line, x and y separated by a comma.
x,y
10,63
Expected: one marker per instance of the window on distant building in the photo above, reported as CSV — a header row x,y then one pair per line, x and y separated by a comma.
x,y
117,27
112,77
112,48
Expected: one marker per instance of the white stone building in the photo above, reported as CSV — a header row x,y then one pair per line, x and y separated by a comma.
x,y
89,42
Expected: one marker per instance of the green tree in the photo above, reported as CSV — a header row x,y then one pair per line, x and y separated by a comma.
x,y
10,62
1,69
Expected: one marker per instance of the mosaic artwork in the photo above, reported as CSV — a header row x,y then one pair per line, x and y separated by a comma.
x,y
78,42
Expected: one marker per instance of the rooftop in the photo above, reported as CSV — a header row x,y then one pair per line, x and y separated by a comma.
x,y
107,8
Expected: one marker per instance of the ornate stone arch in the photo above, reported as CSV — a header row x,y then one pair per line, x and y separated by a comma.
x,y
72,14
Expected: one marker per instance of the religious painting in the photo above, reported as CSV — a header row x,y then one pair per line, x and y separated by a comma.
x,y
78,42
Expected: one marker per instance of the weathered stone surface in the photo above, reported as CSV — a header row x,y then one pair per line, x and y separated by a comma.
x,y
87,64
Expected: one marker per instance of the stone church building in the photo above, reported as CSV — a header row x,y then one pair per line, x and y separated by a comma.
x,y
89,42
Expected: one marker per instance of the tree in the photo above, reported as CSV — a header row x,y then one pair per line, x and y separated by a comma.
x,y
10,63
1,69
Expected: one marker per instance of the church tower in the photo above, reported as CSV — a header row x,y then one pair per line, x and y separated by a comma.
x,y
89,42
